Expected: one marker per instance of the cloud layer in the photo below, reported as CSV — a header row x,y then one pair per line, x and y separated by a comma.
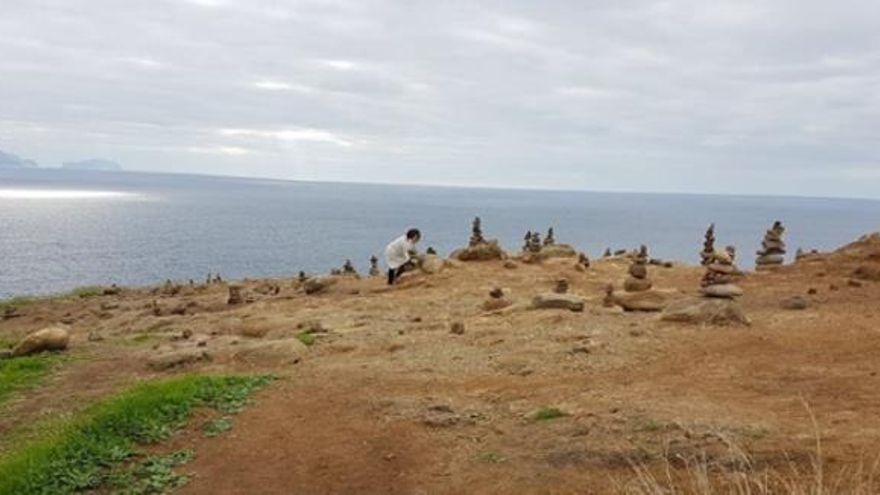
x,y
736,96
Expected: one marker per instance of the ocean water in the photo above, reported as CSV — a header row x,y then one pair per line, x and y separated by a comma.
x,y
64,229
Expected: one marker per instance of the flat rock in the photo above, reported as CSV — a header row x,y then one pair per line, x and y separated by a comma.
x,y
270,352
633,284
649,300
706,311
177,359
495,304
723,291
552,300
770,259
794,303
53,338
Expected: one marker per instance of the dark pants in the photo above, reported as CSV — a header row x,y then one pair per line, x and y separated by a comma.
x,y
395,273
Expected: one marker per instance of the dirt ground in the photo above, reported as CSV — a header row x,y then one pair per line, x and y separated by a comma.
x,y
388,400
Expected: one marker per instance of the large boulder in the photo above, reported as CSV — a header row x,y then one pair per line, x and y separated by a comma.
x,y
552,300
55,338
649,300
484,251
706,311
314,285
430,263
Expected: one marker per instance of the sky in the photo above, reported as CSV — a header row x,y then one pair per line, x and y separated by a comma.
x,y
742,96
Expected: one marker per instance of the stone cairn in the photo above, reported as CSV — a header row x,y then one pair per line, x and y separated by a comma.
x,y
374,266
607,253
476,233
708,246
302,276
532,242
561,286
718,281
431,250
549,240
772,253
638,280
348,268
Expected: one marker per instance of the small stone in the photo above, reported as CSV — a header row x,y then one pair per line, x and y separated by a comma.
x,y
812,291
854,283
496,293
561,286
456,328
726,291
316,285
235,296
794,303
510,264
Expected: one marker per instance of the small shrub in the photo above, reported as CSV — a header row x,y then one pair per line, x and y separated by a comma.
x,y
548,413
217,426
22,372
306,338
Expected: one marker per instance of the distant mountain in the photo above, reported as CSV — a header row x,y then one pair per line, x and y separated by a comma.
x,y
8,160
93,164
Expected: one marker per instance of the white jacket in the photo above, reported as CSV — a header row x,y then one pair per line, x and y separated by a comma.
x,y
397,253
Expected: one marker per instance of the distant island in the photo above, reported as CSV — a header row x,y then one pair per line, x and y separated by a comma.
x,y
8,160
92,164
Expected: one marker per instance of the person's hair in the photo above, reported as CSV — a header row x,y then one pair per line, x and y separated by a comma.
x,y
413,233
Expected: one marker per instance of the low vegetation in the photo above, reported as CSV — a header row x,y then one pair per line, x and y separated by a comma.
x,y
23,372
548,413
98,447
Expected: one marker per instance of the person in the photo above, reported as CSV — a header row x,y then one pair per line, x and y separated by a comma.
x,y
398,254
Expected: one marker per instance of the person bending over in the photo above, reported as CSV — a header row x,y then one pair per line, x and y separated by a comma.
x,y
398,254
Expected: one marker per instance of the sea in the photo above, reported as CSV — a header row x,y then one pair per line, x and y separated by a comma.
x,y
62,229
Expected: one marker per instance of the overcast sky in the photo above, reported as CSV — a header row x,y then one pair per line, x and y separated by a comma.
x,y
741,96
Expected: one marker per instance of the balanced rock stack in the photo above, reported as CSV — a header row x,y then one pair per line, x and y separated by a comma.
x,y
532,242
720,275
374,266
235,296
348,268
772,253
479,248
476,233
549,240
638,280
708,246
561,286
497,300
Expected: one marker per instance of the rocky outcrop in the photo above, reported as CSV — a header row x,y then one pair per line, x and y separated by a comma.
x,y
647,300
54,338
706,311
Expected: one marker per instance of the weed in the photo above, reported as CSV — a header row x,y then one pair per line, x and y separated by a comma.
x,y
87,291
491,457
217,426
78,454
548,413
306,338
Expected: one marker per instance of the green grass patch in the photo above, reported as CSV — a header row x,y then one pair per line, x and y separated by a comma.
x,y
547,414
23,372
153,475
306,338
86,292
86,451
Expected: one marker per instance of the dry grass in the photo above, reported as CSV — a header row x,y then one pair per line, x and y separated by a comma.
x,y
740,474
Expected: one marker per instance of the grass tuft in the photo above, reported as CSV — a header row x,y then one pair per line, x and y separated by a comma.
x,y
548,413
79,454
306,338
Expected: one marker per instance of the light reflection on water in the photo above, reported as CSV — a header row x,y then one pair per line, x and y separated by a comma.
x,y
62,194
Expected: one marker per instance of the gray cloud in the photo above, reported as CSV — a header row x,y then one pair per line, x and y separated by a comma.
x,y
728,96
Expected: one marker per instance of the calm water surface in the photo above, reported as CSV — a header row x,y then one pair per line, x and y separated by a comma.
x,y
63,229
